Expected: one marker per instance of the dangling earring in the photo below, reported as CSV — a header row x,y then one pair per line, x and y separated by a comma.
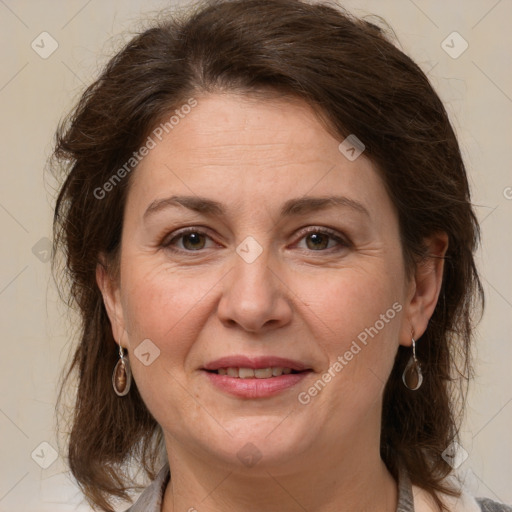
x,y
122,375
412,376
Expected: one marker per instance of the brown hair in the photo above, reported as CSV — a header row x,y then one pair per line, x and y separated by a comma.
x,y
349,72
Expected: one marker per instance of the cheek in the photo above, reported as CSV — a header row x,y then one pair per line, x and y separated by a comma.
x,y
169,310
359,313
161,305
350,301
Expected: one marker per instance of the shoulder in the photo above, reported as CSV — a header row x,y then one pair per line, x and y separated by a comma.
x,y
487,505
151,498
465,502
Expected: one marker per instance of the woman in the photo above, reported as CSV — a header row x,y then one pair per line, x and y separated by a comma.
x,y
268,231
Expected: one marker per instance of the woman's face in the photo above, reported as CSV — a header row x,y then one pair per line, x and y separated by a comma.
x,y
267,277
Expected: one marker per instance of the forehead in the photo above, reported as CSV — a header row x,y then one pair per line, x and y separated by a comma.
x,y
239,148
222,124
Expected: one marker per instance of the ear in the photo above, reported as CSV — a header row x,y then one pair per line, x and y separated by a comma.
x,y
109,288
424,288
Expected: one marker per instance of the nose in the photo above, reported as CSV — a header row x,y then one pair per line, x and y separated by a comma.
x,y
255,296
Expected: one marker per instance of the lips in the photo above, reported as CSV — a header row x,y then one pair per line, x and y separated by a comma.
x,y
256,377
255,363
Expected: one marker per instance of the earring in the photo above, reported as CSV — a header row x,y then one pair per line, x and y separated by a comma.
x,y
122,375
412,376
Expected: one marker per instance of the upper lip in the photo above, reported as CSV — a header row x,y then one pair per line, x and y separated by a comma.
x,y
239,361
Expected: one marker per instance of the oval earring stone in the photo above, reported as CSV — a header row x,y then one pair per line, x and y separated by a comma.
x,y
121,377
412,376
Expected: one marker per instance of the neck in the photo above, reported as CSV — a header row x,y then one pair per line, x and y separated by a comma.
x,y
321,481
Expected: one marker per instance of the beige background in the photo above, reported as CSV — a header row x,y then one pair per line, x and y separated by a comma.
x,y
36,92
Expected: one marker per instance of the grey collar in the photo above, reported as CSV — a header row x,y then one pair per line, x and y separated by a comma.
x,y
405,497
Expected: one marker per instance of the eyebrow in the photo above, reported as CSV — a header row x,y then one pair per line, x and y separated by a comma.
x,y
291,208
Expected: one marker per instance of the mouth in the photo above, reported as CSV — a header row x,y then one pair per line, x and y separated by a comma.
x,y
261,367
254,373
258,377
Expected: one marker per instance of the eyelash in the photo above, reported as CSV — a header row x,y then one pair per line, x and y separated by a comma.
x,y
342,241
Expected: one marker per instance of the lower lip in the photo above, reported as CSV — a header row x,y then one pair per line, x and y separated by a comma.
x,y
255,388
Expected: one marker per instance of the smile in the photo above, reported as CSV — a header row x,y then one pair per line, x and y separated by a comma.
x,y
254,387
255,373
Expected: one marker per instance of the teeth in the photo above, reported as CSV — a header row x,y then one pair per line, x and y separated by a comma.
x,y
263,373
245,373
250,373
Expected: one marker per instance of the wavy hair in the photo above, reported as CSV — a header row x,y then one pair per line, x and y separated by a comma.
x,y
354,76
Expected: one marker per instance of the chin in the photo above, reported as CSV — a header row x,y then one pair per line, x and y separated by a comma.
x,y
256,443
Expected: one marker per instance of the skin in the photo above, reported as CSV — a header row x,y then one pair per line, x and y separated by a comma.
x,y
302,298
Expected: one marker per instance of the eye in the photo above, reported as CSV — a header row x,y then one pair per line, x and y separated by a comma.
x,y
193,239
319,240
